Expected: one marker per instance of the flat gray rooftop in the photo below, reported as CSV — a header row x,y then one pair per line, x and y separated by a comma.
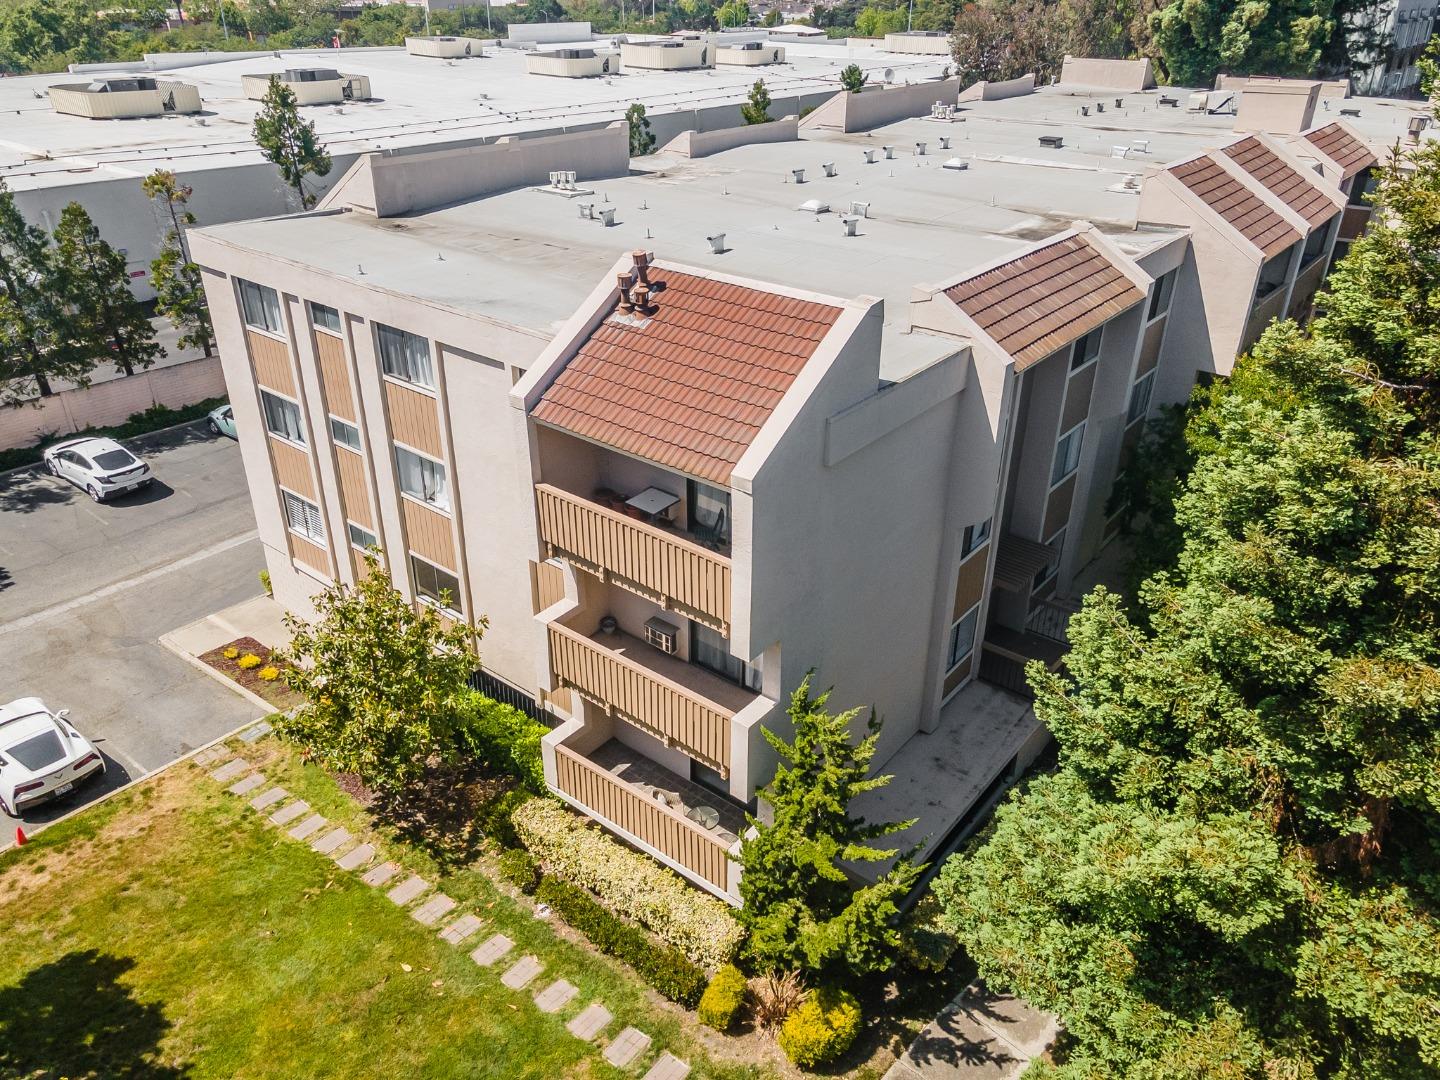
x,y
419,101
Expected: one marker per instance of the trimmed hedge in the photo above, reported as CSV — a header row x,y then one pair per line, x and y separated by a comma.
x,y
520,869
633,885
503,738
664,968
821,1029
723,998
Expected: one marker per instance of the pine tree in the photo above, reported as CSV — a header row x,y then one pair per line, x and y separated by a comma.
x,y
852,79
802,911
288,142
179,288
642,141
34,339
105,318
757,109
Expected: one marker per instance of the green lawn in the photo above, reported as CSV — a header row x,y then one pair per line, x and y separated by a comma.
x,y
168,932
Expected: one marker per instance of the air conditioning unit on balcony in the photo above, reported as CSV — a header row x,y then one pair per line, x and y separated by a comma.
x,y
661,634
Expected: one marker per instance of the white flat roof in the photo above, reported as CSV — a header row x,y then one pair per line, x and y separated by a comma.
x,y
419,101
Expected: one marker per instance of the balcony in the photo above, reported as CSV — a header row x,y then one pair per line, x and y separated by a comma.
x,y
643,801
681,704
652,561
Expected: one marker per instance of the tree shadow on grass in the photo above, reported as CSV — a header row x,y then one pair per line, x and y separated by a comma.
x,y
74,1018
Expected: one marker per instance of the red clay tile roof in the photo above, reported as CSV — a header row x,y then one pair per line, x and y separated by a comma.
x,y
691,386
1282,180
1046,298
1242,208
1341,147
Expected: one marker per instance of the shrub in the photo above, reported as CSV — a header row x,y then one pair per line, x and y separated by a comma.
x,y
821,1029
666,969
231,653
503,738
520,869
494,817
248,661
852,78
776,995
629,883
923,944
723,998
269,673
265,583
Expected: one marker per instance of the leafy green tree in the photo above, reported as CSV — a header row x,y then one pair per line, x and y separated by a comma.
x,y
734,13
179,288
1195,39
695,15
105,319
384,682
34,341
288,142
802,911
1236,870
876,22
45,35
642,141
757,109
852,79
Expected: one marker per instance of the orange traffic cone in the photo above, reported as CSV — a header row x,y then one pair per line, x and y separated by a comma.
x,y
19,836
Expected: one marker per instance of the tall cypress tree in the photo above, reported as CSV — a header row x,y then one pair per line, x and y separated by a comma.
x,y
288,142
105,317
34,342
179,288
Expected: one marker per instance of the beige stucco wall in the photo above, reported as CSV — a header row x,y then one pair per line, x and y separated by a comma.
x,y
918,44
1133,75
698,144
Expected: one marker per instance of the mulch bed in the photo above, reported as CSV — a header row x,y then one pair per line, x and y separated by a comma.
x,y
274,692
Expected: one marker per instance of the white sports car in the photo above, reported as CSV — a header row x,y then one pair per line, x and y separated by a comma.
x,y
41,755
102,467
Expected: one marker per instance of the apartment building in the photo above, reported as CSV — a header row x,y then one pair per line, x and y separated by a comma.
x,y
684,430
1404,29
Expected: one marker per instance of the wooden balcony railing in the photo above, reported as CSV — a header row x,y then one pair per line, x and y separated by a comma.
x,y
665,830
669,569
678,715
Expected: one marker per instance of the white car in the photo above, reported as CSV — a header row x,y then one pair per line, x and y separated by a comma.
x,y
101,467
41,756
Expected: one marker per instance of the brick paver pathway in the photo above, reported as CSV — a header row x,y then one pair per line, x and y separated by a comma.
x,y
268,798
430,912
287,814
308,826
519,976
492,950
331,841
668,1067
356,857
556,996
249,784
590,1022
461,929
628,1045
408,890
253,734
231,770
379,875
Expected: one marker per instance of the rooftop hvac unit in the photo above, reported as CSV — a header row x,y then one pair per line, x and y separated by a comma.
x,y
662,635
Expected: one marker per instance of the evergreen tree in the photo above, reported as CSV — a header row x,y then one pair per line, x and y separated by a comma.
x,y
802,911
642,141
852,79
1236,869
288,142
1194,41
105,318
34,336
179,288
757,109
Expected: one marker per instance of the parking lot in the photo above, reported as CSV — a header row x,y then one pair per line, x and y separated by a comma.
x,y
86,590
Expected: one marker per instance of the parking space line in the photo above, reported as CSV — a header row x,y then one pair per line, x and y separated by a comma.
x,y
130,583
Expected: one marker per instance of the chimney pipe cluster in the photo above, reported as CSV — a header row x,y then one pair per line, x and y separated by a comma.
x,y
635,287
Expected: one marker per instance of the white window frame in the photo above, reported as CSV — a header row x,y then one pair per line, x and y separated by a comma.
x,y
337,422
953,661
1144,387
455,598
311,526
268,302
1077,359
315,309
975,537
297,439
1056,477
1161,293
442,500
406,364
351,529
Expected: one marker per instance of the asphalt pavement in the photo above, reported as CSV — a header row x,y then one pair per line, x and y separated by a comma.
x,y
86,590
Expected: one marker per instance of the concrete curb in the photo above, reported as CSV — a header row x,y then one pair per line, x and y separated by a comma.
x,y
168,642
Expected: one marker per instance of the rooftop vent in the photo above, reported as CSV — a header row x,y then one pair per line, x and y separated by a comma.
x,y
1119,103
814,206
717,243
919,149
607,216
852,225
869,157
1349,112
859,209
1054,142
1084,110
1174,103
944,142
829,168
799,175
889,151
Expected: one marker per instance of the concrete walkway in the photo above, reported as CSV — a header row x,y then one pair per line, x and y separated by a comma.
x,y
556,997
978,1036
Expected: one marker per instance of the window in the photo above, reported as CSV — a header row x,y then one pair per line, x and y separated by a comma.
x,y
1086,349
282,417
405,356
961,640
325,318
1056,544
1067,453
1316,241
708,777
361,538
1140,398
709,649
439,587
1363,184
1274,272
975,535
303,517
1160,295
345,433
709,514
261,305
422,478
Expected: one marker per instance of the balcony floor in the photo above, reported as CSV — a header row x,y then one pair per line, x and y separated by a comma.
x,y
635,769
692,677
